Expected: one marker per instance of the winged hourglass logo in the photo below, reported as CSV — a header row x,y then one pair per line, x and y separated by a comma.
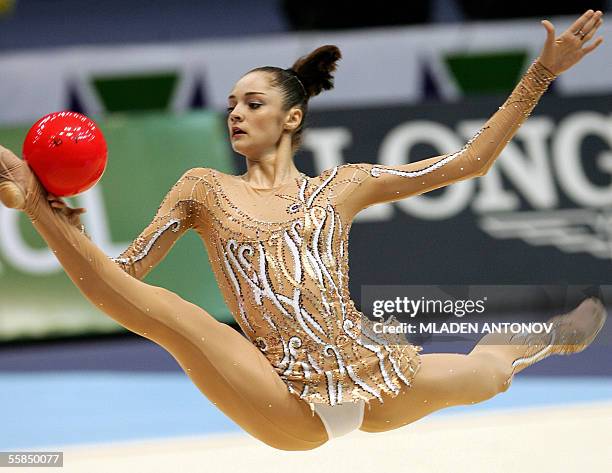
x,y
570,230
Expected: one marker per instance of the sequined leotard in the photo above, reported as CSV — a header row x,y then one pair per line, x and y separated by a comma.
x,y
280,256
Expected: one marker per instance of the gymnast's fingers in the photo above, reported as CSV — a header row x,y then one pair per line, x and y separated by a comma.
x,y
591,24
592,31
592,46
580,22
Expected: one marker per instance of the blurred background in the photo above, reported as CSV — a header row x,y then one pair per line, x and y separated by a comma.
x,y
417,79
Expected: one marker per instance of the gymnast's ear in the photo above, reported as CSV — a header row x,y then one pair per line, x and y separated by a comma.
x,y
293,119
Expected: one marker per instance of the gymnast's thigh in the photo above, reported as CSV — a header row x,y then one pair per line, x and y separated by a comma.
x,y
443,380
233,374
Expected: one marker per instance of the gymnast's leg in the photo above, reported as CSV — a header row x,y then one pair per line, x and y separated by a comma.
x,y
227,368
443,380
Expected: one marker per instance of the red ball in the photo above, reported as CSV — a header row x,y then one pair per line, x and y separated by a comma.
x,y
67,152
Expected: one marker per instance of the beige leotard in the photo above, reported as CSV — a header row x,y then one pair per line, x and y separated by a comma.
x,y
280,256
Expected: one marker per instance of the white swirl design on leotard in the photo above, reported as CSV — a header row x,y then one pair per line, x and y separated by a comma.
x,y
151,242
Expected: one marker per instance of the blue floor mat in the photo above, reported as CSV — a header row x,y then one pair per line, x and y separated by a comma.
x,y
54,409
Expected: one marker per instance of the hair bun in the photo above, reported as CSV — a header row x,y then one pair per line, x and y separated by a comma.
x,y
315,69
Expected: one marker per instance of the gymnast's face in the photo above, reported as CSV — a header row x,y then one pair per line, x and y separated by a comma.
x,y
256,108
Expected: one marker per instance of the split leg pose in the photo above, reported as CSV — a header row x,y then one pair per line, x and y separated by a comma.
x,y
230,371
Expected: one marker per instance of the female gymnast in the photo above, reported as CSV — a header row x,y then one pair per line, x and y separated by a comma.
x,y
277,242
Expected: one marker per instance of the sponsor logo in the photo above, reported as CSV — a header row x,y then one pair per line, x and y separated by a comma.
x,y
543,188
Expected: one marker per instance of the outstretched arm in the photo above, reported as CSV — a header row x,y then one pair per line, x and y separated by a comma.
x,y
176,214
385,184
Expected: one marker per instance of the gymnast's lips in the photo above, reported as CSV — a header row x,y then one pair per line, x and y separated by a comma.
x,y
237,131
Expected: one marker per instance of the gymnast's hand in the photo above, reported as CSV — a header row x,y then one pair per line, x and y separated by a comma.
x,y
73,215
559,54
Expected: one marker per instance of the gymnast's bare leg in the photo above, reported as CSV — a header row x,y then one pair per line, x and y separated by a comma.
x,y
443,380
229,370
452,379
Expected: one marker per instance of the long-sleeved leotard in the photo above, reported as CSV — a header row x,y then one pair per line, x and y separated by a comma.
x,y
282,279
280,256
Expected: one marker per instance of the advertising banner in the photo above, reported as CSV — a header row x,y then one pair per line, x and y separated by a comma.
x,y
147,155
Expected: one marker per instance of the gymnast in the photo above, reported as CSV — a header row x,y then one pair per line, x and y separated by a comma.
x,y
277,241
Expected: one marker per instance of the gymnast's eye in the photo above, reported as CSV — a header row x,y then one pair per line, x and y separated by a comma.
x,y
229,109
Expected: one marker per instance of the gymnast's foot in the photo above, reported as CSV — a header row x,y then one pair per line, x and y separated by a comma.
x,y
19,187
570,333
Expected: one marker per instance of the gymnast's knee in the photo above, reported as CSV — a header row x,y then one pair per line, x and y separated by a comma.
x,y
492,376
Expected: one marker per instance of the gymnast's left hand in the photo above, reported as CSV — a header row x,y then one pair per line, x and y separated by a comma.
x,y
559,54
73,215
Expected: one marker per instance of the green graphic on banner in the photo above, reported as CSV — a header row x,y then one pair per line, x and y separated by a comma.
x,y
487,73
136,92
147,155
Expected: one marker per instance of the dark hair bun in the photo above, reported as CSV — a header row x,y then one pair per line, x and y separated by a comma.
x,y
314,69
